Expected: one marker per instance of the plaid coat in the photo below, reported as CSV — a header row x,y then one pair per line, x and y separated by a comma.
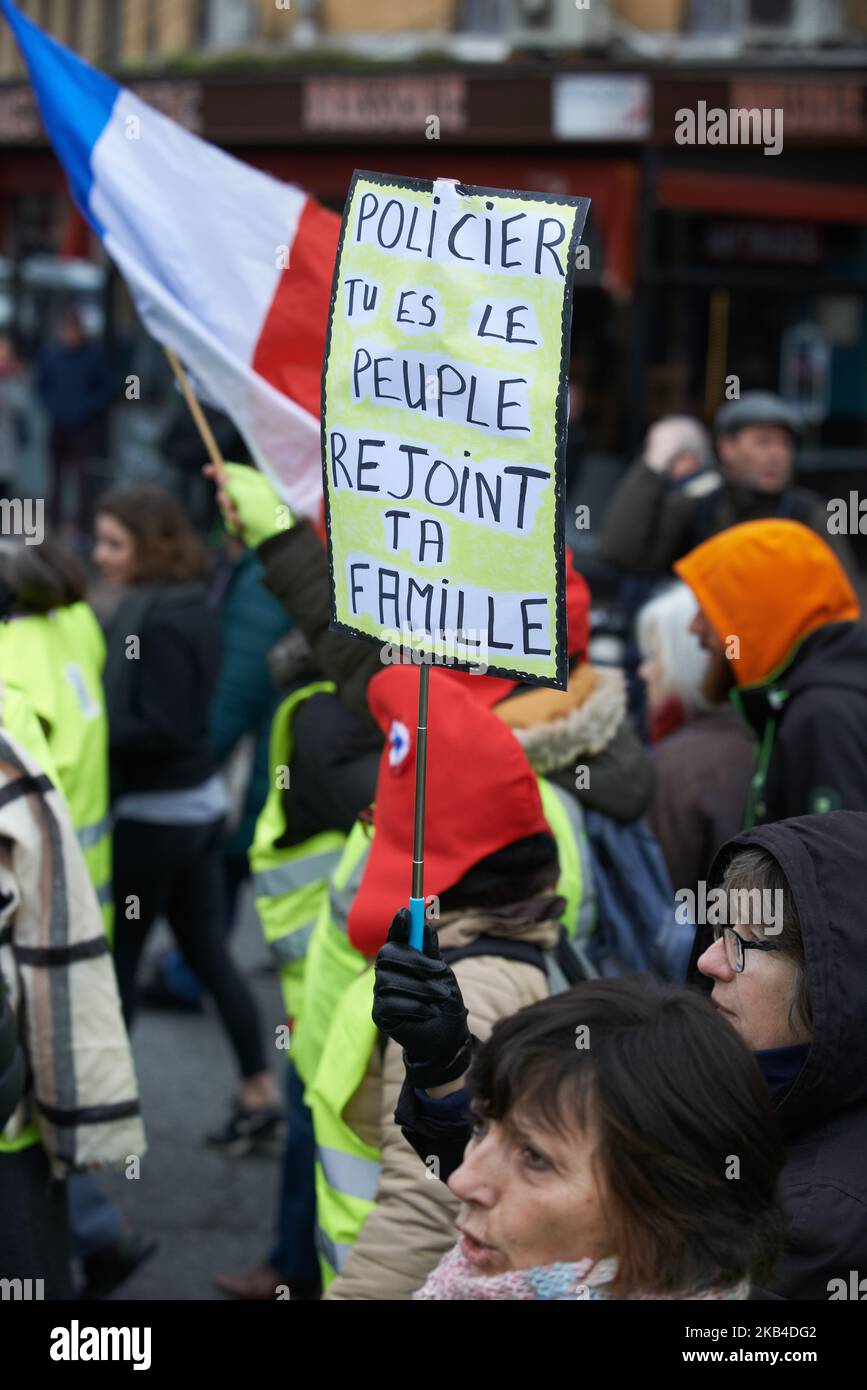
x,y
56,962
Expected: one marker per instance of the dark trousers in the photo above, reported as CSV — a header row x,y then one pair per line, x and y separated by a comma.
x,y
176,871
294,1254
176,975
34,1234
73,448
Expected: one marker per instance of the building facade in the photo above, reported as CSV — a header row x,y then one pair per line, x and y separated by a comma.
x,y
719,245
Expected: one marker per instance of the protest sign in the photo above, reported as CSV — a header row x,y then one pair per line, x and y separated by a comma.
x,y
444,421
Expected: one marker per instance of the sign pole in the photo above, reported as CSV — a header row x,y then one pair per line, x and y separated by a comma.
x,y
416,902
205,431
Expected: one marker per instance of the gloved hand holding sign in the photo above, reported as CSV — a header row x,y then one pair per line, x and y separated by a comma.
x,y
417,1002
251,508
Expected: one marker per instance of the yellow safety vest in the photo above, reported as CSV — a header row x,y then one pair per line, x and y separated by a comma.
x,y
341,1034
57,659
289,884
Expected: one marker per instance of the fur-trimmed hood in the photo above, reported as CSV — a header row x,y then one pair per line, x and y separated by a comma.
x,y
556,728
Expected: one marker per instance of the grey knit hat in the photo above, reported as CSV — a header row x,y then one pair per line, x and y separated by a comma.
x,y
756,408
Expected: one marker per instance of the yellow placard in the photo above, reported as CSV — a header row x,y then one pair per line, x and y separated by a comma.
x,y
444,420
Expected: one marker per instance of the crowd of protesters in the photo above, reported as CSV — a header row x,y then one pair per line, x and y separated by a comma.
x,y
577,1089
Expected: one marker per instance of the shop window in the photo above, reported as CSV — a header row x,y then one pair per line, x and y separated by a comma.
x,y
228,24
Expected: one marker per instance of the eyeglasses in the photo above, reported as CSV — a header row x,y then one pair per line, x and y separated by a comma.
x,y
735,946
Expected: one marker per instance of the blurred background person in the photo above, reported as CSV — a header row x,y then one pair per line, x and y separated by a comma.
x,y
75,385
251,623
14,415
673,497
168,800
702,752
784,634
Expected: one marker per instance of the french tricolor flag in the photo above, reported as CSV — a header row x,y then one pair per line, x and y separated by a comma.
x,y
226,265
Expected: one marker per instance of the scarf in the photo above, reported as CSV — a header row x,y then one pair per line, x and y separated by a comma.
x,y
664,718
454,1280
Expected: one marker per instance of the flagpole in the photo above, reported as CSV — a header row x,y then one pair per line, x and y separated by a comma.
x,y
197,413
416,902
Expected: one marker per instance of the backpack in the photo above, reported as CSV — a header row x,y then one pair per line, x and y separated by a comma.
x,y
636,926
627,921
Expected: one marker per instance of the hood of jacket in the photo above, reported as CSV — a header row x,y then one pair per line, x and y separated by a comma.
x,y
833,657
536,921
556,727
823,859
769,584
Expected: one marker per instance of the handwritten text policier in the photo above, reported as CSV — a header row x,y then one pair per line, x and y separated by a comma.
x,y
523,242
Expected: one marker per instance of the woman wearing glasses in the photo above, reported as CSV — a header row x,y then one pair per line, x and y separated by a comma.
x,y
795,988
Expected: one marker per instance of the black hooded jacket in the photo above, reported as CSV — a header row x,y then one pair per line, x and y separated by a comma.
x,y
823,1115
818,759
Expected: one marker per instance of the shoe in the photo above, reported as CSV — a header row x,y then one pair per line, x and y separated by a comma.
x,y
247,1130
155,994
106,1269
262,1283
257,1284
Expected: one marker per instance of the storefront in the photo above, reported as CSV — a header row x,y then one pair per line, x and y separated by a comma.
x,y
705,260
755,265
514,127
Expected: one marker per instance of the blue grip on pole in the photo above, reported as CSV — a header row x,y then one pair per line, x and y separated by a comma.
x,y
416,923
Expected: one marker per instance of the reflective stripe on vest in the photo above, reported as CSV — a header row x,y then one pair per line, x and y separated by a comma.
x,y
90,835
295,873
349,1173
291,948
330,1253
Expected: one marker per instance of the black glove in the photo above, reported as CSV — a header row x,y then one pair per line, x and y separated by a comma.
x,y
417,1002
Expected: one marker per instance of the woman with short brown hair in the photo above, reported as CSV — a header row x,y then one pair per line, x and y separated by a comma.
x,y
623,1147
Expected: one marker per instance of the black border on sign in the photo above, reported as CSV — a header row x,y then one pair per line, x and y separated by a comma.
x,y
560,680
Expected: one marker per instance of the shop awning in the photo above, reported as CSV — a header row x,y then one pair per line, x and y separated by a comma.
x,y
690,190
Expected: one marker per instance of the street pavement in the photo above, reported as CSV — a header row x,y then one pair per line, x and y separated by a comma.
x,y
209,1213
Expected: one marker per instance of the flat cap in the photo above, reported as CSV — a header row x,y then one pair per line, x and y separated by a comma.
x,y
756,408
